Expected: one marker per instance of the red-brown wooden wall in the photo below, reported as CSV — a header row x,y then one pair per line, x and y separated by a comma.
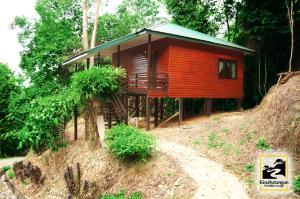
x,y
193,71
192,68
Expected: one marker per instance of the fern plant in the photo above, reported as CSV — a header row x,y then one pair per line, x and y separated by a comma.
x,y
77,188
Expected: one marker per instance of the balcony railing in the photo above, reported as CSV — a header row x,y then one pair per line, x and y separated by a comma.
x,y
139,82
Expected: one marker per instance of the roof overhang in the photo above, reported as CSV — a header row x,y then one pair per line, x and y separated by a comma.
x,y
140,38
109,48
239,48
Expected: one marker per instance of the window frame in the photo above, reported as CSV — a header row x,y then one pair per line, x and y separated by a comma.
x,y
228,60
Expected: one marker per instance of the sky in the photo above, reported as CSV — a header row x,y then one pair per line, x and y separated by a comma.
x,y
9,46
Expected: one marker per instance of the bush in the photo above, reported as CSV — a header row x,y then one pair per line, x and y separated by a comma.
x,y
45,121
296,183
129,143
262,144
5,168
214,141
249,167
97,82
10,174
121,195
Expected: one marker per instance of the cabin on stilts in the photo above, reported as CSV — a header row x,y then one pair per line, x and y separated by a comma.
x,y
170,64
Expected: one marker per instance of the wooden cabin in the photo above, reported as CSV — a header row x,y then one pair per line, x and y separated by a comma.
x,y
171,61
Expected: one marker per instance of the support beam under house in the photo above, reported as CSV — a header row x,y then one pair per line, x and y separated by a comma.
x,y
156,112
180,111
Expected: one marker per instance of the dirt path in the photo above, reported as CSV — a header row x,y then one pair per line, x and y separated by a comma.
x,y
5,192
212,179
10,161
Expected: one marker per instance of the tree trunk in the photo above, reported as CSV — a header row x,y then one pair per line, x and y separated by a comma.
x,y
85,39
291,24
90,117
94,35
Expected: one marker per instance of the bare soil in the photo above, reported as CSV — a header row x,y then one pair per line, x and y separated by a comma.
x,y
236,134
160,177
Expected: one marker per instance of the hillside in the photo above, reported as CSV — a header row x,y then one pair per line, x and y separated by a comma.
x,y
227,138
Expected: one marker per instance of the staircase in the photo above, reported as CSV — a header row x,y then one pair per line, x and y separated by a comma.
x,y
113,112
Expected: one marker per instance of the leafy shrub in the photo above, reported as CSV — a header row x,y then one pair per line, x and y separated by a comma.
x,y
228,148
5,168
97,82
226,131
249,167
121,195
45,121
196,142
262,144
296,183
214,141
10,174
129,143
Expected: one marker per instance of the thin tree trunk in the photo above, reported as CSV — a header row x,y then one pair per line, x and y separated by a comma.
x,y
266,73
259,74
85,39
291,23
228,28
94,35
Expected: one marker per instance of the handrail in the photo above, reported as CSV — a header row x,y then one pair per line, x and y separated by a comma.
x,y
158,81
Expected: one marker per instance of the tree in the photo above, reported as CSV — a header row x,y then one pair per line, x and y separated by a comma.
x,y
264,27
131,16
95,28
290,11
49,40
198,15
85,38
7,86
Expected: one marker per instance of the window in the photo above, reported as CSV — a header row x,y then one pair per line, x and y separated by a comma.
x,y
227,69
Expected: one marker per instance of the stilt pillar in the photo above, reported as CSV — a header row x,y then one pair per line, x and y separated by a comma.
x,y
156,112
180,111
161,109
147,113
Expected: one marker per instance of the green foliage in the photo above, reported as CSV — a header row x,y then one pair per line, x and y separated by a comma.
x,y
296,183
216,118
129,143
196,142
122,195
8,86
250,181
45,121
214,141
5,168
131,16
228,148
226,131
262,144
48,40
249,167
194,14
10,174
97,82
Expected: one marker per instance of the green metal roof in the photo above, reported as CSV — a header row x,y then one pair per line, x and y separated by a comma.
x,y
181,32
165,30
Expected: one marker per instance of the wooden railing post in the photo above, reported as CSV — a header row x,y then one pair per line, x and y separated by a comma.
x,y
136,80
119,56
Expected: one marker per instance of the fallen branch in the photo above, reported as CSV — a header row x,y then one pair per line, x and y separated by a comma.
x,y
284,77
